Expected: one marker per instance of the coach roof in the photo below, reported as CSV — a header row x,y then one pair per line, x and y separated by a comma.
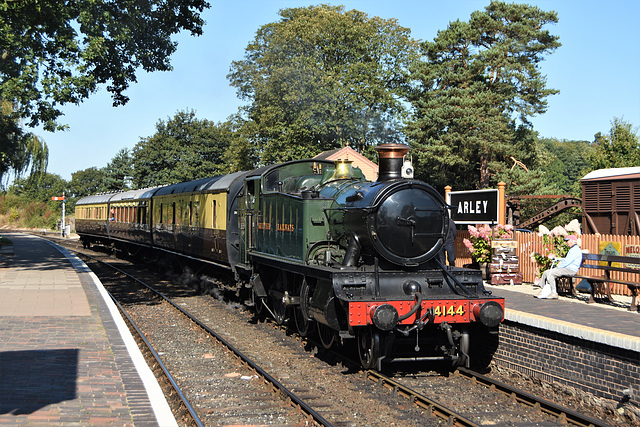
x,y
215,183
95,199
144,193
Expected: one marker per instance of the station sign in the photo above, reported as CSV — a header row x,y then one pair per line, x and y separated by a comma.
x,y
474,207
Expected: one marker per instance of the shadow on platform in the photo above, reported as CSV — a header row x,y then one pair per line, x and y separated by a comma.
x,y
31,380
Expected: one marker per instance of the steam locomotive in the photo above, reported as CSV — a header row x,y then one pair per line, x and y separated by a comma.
x,y
311,242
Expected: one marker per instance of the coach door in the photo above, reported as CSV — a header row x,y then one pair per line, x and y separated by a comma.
x,y
252,209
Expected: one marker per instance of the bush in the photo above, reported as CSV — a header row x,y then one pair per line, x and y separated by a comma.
x,y
14,215
9,201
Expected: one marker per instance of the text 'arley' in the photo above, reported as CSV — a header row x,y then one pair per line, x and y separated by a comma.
x,y
473,207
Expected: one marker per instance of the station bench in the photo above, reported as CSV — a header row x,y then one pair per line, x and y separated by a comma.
x,y
606,270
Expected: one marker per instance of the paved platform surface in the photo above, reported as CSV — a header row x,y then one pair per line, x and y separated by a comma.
x,y
66,357
610,324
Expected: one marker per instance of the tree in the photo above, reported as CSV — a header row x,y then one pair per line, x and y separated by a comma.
x,y
47,186
119,172
568,164
20,151
241,155
321,78
53,53
87,182
183,148
619,149
476,88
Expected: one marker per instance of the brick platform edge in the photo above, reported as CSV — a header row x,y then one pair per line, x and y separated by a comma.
x,y
597,368
142,385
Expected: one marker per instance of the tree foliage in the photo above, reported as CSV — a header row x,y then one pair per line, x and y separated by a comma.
x,y
242,154
183,148
321,78
476,88
568,163
87,182
47,186
118,174
20,151
619,149
53,53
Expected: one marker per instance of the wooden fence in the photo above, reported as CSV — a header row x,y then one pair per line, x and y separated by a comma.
x,y
531,242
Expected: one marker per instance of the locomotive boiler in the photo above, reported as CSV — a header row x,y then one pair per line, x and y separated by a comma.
x,y
314,244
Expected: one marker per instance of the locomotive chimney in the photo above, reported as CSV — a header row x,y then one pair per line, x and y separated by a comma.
x,y
390,159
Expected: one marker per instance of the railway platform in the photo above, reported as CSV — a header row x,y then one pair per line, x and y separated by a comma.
x,y
609,324
594,348
66,356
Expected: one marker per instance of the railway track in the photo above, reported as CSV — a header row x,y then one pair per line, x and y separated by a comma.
x,y
417,388
488,401
244,400
180,405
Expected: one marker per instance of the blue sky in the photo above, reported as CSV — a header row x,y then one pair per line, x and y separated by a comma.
x,y
597,71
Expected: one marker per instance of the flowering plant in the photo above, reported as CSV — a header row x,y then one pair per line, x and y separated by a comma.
x,y
554,245
479,241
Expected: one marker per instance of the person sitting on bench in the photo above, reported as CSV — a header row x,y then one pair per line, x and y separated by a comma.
x,y
567,266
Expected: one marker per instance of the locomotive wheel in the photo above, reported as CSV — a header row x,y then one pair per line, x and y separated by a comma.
x,y
369,347
303,324
301,312
326,334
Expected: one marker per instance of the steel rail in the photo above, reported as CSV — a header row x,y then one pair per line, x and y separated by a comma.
x,y
276,386
432,408
174,385
564,415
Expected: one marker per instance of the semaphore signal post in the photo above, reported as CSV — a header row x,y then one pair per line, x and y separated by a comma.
x,y
62,199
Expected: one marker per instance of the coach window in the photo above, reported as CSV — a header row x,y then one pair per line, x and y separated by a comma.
x,y
143,214
186,214
213,219
196,212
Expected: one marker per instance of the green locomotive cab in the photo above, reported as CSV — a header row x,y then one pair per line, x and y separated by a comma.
x,y
283,211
